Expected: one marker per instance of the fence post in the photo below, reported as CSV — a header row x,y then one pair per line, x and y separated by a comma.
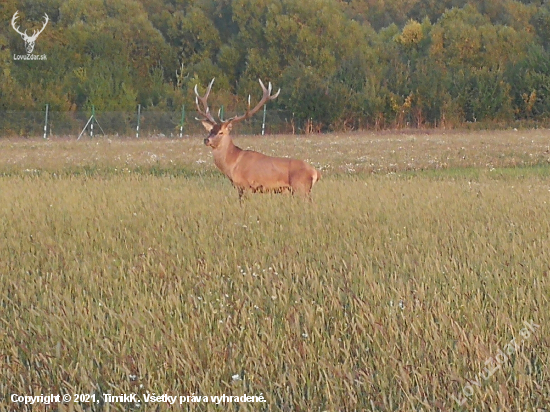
x,y
182,120
46,122
138,119
263,122
92,122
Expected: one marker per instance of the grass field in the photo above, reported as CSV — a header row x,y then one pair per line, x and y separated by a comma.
x,y
417,279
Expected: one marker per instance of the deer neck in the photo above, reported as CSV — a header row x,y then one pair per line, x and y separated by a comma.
x,y
226,155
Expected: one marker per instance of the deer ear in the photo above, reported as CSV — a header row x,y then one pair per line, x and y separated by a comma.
x,y
207,125
229,126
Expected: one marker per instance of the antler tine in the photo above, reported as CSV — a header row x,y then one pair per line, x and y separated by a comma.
x,y
265,98
269,88
43,27
13,20
275,95
205,112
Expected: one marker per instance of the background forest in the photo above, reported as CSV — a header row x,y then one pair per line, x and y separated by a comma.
x,y
340,64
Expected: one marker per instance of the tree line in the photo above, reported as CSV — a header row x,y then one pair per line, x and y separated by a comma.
x,y
340,64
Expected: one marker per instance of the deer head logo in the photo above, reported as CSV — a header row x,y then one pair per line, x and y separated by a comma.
x,y
29,40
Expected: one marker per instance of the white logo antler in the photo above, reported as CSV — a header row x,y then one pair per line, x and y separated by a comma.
x,y
29,40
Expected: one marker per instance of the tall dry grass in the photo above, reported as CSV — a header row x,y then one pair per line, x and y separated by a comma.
x,y
389,292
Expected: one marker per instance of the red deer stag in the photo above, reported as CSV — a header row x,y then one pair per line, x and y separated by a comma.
x,y
249,170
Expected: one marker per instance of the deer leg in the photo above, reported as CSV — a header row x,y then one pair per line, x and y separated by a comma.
x,y
301,184
241,194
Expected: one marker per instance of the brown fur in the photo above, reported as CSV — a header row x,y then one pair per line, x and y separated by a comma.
x,y
250,171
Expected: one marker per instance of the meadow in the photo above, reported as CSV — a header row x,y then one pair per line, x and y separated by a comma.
x,y
417,279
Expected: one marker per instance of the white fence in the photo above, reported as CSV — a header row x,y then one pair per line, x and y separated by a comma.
x,y
152,123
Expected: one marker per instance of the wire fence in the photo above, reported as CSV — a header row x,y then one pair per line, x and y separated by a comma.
x,y
125,124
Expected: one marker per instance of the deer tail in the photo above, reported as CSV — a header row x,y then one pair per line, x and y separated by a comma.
x,y
316,177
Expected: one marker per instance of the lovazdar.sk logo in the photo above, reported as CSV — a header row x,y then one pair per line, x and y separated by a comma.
x,y
30,41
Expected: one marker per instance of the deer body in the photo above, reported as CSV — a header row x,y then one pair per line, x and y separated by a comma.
x,y
255,172
251,171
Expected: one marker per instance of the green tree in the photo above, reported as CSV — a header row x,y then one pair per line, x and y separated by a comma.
x,y
428,62
541,24
530,83
474,53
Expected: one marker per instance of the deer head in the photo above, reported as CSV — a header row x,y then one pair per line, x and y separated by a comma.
x,y
29,40
218,129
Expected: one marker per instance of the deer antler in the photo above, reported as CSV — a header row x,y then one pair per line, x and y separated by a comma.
x,y
205,112
13,19
37,32
265,98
